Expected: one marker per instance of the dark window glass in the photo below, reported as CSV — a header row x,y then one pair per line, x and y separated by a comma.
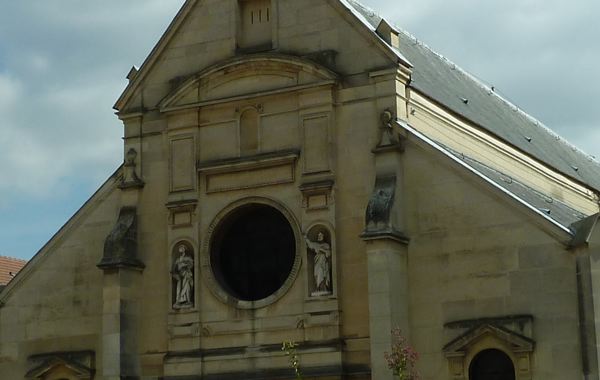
x,y
491,365
253,252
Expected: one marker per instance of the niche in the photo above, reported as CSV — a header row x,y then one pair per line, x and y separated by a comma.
x,y
249,125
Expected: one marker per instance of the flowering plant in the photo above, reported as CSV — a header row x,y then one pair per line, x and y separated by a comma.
x,y
290,350
403,358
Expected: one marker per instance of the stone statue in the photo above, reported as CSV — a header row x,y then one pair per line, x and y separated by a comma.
x,y
183,274
322,265
387,135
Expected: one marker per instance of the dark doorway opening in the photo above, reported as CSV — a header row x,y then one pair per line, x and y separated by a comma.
x,y
491,365
253,252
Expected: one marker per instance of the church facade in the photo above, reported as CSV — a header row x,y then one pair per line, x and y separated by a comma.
x,y
302,170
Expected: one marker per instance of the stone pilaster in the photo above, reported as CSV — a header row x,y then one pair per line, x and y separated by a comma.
x,y
586,247
386,247
119,316
122,282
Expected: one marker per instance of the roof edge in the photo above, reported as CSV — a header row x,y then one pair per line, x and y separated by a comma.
x,y
108,186
555,224
154,53
184,12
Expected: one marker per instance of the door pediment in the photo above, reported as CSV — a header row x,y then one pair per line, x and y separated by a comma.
x,y
516,342
247,76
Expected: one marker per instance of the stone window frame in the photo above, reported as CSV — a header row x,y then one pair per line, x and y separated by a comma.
x,y
206,269
461,352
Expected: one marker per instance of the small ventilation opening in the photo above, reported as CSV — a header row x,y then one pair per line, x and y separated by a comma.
x,y
256,28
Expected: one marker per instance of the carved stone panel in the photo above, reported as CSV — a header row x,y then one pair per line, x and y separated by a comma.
x,y
320,261
316,143
183,162
317,195
183,276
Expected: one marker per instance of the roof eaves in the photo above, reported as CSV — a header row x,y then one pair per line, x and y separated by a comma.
x,y
485,178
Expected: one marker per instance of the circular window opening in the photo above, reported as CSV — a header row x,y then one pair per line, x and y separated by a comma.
x,y
492,365
253,252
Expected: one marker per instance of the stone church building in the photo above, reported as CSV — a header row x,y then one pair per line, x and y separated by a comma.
x,y
302,170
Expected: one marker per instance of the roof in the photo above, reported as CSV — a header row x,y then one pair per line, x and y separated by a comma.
x,y
447,84
552,210
9,267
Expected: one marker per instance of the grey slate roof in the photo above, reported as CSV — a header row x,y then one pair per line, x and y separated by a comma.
x,y
555,209
549,208
448,85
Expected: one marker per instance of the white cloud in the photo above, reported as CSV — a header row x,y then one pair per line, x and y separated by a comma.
x,y
58,83
10,91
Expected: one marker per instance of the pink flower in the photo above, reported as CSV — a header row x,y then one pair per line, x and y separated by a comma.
x,y
402,360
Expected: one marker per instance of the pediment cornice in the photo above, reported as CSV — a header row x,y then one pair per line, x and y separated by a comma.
x,y
246,76
517,342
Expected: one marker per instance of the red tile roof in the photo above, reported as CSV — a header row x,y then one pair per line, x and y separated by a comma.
x,y
9,267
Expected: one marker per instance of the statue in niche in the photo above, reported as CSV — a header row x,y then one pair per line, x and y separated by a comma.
x,y
322,265
183,274
387,136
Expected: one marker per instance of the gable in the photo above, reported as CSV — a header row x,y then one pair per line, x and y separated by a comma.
x,y
198,39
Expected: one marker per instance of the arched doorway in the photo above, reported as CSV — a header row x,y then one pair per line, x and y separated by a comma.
x,y
491,365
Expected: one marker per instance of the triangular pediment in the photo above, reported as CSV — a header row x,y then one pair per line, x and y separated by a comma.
x,y
192,31
55,364
247,76
516,342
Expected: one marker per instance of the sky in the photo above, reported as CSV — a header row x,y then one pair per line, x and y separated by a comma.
x,y
63,65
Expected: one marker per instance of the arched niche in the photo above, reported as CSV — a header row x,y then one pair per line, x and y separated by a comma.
x,y
183,276
249,128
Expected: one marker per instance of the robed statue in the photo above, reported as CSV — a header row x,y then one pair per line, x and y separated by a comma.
x,y
183,274
322,265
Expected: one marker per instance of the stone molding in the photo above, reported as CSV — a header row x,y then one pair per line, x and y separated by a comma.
x,y
267,62
265,169
80,364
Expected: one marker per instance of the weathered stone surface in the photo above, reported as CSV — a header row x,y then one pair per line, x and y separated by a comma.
x,y
412,237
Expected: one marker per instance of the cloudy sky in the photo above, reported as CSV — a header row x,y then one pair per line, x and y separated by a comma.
x,y
63,63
